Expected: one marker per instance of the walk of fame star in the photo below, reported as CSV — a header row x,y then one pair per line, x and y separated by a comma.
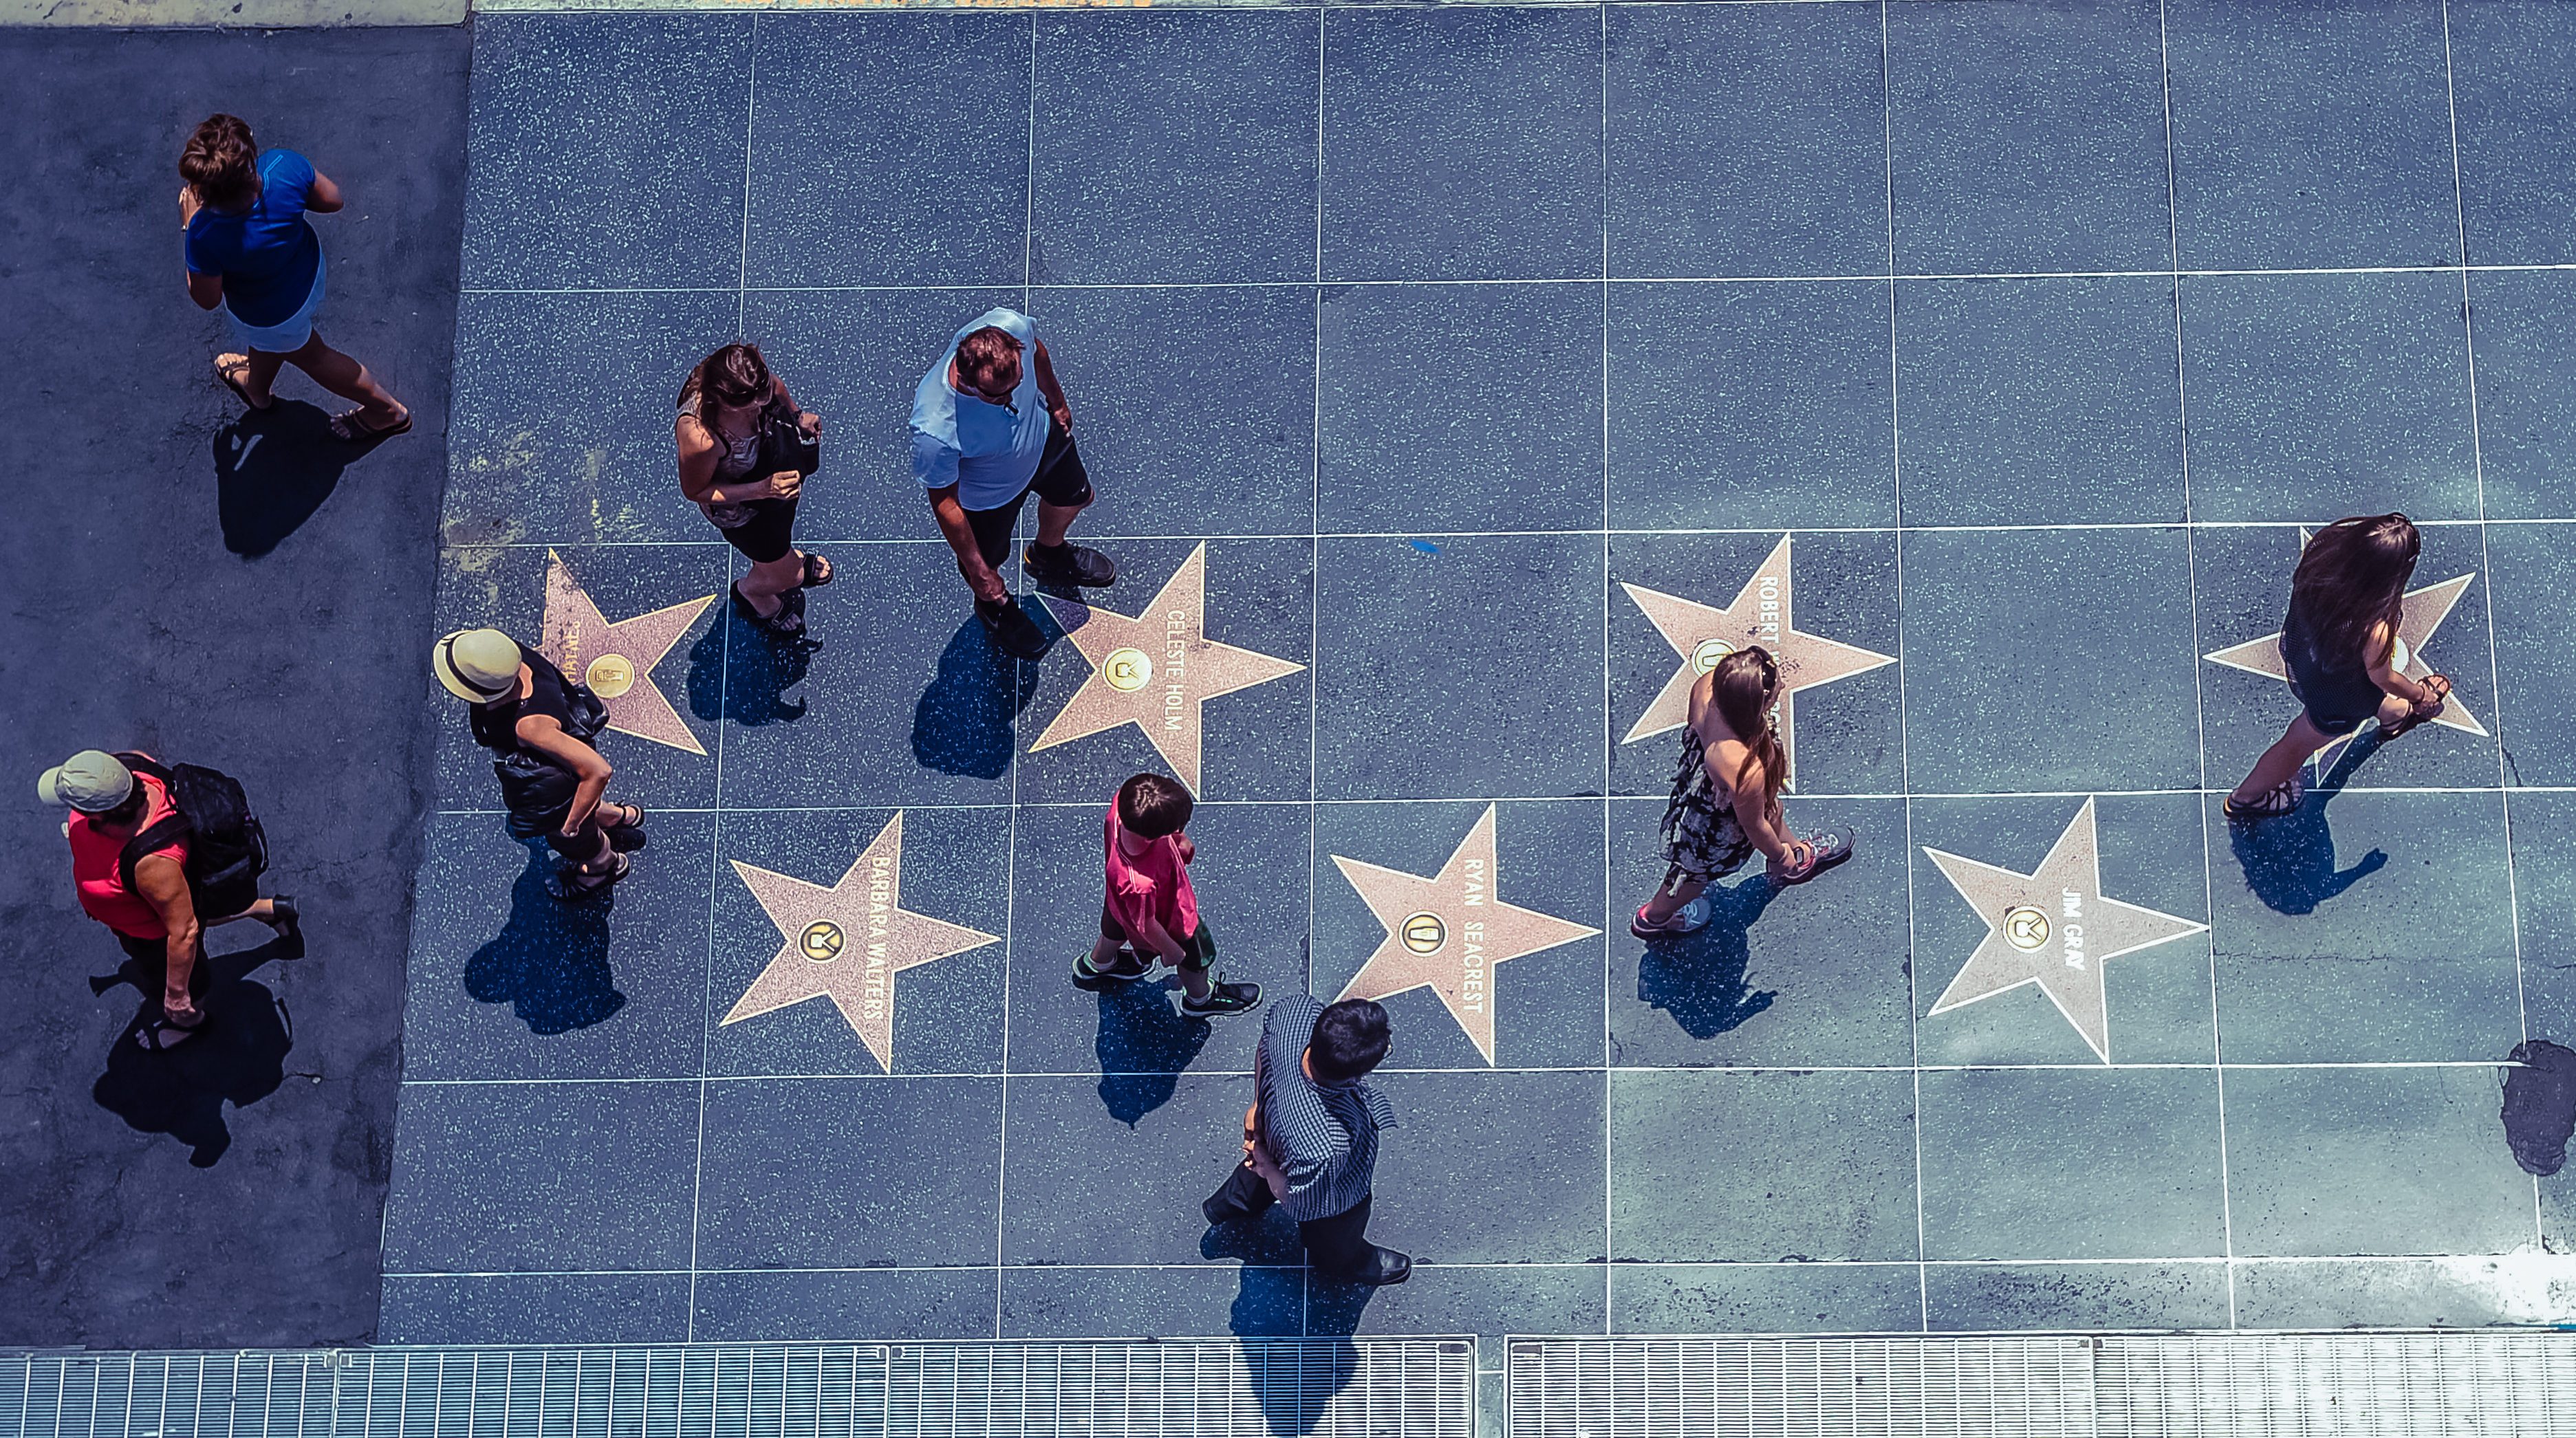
x,y
2422,612
2053,928
848,942
1447,933
1761,614
1156,670
617,660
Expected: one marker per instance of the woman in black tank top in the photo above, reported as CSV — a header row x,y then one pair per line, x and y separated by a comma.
x,y
2340,647
553,779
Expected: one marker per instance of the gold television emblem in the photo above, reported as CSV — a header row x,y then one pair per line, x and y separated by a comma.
x,y
1127,670
2025,928
820,942
610,675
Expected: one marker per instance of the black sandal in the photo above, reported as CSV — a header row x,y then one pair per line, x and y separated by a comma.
x,y
282,918
150,1036
788,622
627,837
818,572
2415,716
581,881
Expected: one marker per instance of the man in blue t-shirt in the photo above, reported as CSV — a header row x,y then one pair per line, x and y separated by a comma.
x,y
981,441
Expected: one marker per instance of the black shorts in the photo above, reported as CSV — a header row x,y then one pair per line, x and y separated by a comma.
x,y
1198,949
1061,481
2335,703
771,533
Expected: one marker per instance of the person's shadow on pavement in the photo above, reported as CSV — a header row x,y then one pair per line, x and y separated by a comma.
x,y
1699,980
2289,860
238,1056
274,468
550,961
1144,1043
743,673
962,722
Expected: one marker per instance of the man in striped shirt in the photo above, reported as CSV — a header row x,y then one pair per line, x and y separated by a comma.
x,y
1310,1137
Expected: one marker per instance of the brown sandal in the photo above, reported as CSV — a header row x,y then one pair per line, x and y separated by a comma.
x,y
224,372
351,426
2415,717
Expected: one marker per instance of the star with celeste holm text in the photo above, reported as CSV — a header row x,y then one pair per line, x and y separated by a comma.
x,y
2420,615
617,660
2053,928
847,943
1155,671
1449,932
1763,614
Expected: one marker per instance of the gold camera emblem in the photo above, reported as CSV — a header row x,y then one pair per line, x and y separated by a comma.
x,y
610,675
1127,670
1424,933
2025,928
1706,654
820,942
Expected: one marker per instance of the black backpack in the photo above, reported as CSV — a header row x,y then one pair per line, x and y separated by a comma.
x,y
227,850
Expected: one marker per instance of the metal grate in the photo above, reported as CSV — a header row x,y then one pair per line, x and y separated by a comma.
x,y
2342,1385
1354,1387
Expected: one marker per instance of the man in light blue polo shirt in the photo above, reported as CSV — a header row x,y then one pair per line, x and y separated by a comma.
x,y
981,441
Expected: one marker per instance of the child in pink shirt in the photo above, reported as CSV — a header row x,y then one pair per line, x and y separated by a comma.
x,y
1151,906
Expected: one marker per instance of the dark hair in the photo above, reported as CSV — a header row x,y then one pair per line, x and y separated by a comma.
x,y
1152,806
2352,578
221,163
735,377
1744,684
1350,1039
981,353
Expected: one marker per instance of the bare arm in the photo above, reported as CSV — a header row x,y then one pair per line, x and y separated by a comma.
x,y
2383,671
698,451
1755,813
1052,391
951,515
539,731
325,197
164,885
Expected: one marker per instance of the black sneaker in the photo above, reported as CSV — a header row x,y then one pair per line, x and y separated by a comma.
x,y
1128,965
1013,631
1069,564
1223,999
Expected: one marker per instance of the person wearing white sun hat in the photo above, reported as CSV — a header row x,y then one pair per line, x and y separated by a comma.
x,y
542,728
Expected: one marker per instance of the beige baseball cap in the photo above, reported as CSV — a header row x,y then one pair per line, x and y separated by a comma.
x,y
92,781
476,665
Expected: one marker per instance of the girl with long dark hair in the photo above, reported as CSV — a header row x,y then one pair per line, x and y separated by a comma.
x,y
2339,644
745,452
1725,805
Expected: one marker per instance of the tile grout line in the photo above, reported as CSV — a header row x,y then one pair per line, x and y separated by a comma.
x,y
1743,1070
1011,858
2486,568
1609,910
1314,587
724,669
1904,751
2199,696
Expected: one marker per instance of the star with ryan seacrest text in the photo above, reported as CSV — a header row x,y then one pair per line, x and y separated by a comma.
x,y
1763,614
848,942
616,660
1448,933
2421,613
2052,928
1156,670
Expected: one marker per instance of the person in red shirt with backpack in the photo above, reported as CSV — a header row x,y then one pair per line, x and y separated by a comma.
x,y
151,867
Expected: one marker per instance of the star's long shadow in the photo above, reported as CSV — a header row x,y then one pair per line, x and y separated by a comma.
x,y
1144,1043
2289,861
743,673
549,963
239,1057
273,470
962,722
1699,980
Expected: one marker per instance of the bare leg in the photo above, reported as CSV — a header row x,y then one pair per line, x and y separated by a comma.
x,y
766,582
255,372
2283,759
1104,952
1670,899
1195,983
2393,711
1054,520
263,910
347,378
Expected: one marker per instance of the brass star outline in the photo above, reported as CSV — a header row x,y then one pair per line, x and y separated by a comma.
x,y
617,660
1449,932
1762,613
2420,615
848,942
2052,927
1156,670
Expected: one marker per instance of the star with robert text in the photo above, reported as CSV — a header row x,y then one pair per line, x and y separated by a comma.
x,y
848,942
1450,932
617,660
1155,671
2420,615
2054,928
1763,613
